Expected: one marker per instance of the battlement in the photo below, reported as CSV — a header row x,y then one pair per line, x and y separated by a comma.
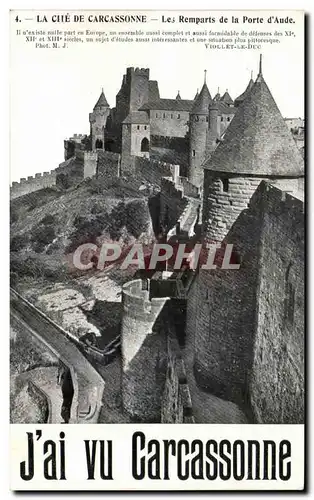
x,y
170,188
90,155
138,71
274,199
78,137
33,183
179,186
136,296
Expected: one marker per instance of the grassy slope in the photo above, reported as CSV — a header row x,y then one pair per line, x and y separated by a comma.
x,y
88,211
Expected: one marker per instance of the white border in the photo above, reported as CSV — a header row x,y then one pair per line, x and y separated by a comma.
x,y
5,5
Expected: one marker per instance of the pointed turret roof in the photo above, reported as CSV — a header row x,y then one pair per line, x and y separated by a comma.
x,y
217,96
196,95
202,102
241,97
102,101
226,98
178,95
257,141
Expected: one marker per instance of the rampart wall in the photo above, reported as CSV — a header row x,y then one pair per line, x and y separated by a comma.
x,y
101,164
176,407
108,164
39,181
277,382
245,351
146,169
175,203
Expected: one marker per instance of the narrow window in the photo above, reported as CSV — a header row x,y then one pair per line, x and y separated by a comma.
x,y
164,115
193,152
178,115
207,119
222,119
156,115
171,115
225,185
138,127
228,119
196,118
145,127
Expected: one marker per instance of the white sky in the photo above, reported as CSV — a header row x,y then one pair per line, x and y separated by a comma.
x,y
52,91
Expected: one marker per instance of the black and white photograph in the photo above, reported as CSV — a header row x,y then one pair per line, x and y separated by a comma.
x,y
157,246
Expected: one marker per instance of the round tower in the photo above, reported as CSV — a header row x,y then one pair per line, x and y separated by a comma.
x,y
144,352
97,120
256,146
213,129
198,135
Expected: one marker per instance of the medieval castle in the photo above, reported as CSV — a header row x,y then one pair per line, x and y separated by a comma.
x,y
228,171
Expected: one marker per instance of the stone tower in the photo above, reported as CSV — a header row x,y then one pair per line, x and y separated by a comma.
x,y
222,309
213,131
198,134
97,120
136,135
144,351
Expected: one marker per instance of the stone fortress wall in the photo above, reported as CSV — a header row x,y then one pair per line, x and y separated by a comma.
x,y
247,309
31,184
154,385
279,337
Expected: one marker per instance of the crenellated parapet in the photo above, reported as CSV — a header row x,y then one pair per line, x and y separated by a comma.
x,y
33,183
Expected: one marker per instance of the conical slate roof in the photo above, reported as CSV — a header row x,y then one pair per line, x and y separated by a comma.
x,y
202,102
217,96
226,98
102,101
196,95
257,141
241,97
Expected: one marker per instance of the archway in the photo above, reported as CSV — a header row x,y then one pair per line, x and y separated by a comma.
x,y
98,144
145,145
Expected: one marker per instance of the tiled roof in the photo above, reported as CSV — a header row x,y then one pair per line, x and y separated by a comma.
x,y
226,98
102,101
241,97
137,117
224,109
257,141
169,105
202,102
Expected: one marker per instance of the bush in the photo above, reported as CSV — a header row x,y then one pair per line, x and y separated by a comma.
x,y
43,236
48,220
14,216
86,231
19,242
32,267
